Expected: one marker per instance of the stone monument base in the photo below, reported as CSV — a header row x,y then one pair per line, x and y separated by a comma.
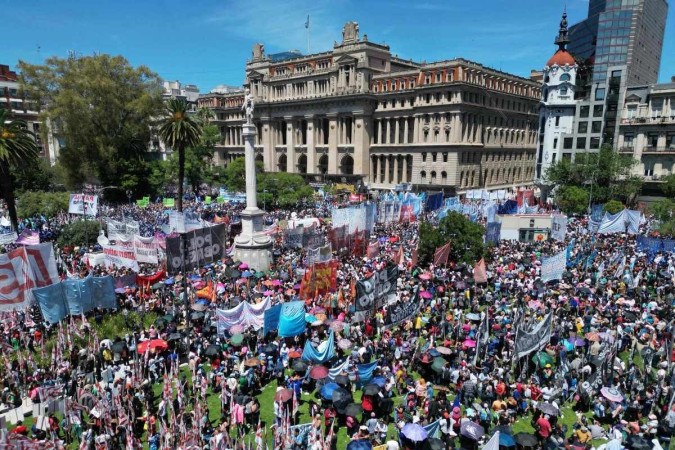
x,y
252,246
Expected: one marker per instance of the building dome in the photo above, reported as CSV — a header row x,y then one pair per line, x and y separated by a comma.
x,y
560,58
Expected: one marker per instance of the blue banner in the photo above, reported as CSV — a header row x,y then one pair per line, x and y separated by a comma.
x,y
493,232
103,292
434,201
75,297
78,295
272,319
508,207
52,302
653,245
324,352
365,372
292,319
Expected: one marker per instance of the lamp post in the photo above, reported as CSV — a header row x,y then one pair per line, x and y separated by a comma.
x,y
129,193
625,243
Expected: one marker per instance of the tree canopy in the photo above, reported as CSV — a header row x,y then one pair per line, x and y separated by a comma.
x,y
103,109
465,236
606,175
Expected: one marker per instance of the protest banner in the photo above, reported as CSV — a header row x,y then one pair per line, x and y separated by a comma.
x,y
204,246
23,269
83,204
552,268
121,255
145,250
529,341
402,311
377,290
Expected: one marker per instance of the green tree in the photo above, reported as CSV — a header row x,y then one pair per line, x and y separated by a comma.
x,y
572,199
40,176
49,204
102,107
283,189
82,232
668,186
179,131
614,206
663,210
465,237
607,175
17,148
235,175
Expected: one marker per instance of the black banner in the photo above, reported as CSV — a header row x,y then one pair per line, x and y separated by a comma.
x,y
402,311
527,342
375,291
293,237
204,246
312,237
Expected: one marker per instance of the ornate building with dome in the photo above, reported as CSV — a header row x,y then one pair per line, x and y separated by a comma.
x,y
359,114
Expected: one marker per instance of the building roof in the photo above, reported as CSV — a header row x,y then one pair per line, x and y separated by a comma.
x,y
560,58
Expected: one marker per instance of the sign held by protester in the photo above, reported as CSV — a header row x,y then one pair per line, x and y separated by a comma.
x,y
204,246
83,204
376,290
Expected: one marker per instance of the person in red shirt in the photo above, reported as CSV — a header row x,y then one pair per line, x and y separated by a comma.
x,y
501,388
543,428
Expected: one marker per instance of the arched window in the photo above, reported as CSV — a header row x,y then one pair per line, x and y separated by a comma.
x,y
302,164
433,177
423,175
347,165
282,163
323,164
565,77
444,177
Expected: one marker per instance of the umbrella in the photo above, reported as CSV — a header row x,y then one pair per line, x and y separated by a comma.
x,y
120,291
268,293
327,390
638,443
243,266
380,381
344,344
438,364
353,409
169,281
157,286
525,439
237,339
433,352
283,395
425,294
268,349
414,432
119,346
342,380
197,315
341,395
360,444
425,276
542,358
259,274
198,307
578,342
276,283
252,362
154,344
237,329
444,350
212,350
318,372
300,366
548,408
294,354
371,389
436,444
246,274
593,336
469,343
168,317
337,325
473,316
611,394
472,430
568,346
506,440
175,337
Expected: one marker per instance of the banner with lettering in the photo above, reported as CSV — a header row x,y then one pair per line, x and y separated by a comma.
x,y
83,204
205,245
552,268
558,227
320,254
23,269
339,238
145,250
529,341
377,290
121,255
320,279
117,230
402,311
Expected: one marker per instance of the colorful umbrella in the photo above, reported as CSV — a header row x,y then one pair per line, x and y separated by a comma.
x,y
252,362
425,294
425,276
283,395
444,350
414,432
542,358
327,390
237,339
268,293
318,372
154,344
611,394
472,430
294,354
337,325
469,343
593,336
243,266
237,329
344,344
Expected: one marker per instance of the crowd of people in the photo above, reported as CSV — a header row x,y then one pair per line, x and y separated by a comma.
x,y
447,376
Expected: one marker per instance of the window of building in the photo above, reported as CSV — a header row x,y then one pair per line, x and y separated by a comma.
x,y
583,111
600,94
649,169
631,111
596,126
652,140
597,110
628,140
557,121
433,177
581,143
565,77
555,143
445,156
582,127
424,156
423,175
568,142
670,141
553,158
433,156
657,106
444,177
563,91
595,142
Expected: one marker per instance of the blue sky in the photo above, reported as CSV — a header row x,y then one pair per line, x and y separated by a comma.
x,y
207,42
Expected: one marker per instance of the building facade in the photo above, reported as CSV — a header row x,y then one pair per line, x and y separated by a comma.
x,y
359,114
26,110
647,132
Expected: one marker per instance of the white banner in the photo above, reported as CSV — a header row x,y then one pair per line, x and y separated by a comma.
x,y
552,268
121,255
83,204
145,250
559,227
23,269
8,238
117,231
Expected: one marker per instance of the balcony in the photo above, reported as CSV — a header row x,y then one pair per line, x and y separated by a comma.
x,y
668,150
630,150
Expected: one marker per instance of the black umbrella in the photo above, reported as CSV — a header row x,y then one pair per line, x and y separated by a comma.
x,y
472,430
548,408
268,349
353,409
212,350
197,315
342,380
525,439
233,273
300,365
119,346
436,444
638,443
371,389
175,337
341,396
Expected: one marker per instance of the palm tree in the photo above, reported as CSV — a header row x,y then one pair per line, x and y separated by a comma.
x,y
17,147
179,131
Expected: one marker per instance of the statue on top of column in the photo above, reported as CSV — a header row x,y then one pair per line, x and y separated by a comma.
x,y
248,106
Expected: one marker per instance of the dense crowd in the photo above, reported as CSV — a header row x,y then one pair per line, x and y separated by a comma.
x,y
447,377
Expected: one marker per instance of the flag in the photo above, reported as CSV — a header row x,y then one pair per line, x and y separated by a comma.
x,y
493,443
637,279
619,270
480,272
441,255
398,257
307,22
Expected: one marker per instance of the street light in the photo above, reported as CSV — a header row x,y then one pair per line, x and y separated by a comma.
x,y
129,193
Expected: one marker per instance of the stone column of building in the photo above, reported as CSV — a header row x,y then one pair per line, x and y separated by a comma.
x,y
456,128
311,144
361,142
405,131
386,169
404,174
332,144
268,144
291,159
396,130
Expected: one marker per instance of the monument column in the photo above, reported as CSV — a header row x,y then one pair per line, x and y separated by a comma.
x,y
252,246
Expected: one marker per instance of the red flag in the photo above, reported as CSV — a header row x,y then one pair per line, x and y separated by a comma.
x,y
414,256
480,272
441,255
373,250
398,257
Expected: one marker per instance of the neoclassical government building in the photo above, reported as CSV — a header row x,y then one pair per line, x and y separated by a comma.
x,y
358,114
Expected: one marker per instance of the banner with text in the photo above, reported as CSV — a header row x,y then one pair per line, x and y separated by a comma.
x,y
81,204
377,290
402,311
204,246
23,269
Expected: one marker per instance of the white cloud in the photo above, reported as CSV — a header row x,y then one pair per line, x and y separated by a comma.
x,y
280,25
